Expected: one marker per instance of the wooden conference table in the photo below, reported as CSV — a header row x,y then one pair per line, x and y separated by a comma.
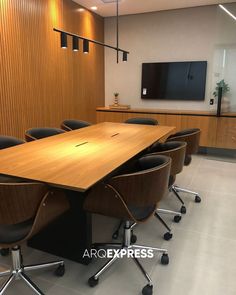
x,y
75,161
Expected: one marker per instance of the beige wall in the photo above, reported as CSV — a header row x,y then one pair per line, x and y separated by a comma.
x,y
177,35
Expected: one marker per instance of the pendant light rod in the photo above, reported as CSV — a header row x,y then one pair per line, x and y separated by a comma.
x,y
117,31
90,40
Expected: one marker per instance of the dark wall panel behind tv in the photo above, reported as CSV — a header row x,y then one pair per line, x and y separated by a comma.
x,y
174,80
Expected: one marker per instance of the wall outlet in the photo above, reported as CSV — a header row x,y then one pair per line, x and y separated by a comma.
x,y
211,101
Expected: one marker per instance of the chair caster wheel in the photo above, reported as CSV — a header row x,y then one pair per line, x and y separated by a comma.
x,y
4,251
167,236
164,259
147,290
133,239
93,282
183,210
115,235
197,199
60,271
177,218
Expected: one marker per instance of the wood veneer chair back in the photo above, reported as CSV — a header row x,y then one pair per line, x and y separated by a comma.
x,y
133,196
9,141
144,121
173,149
38,133
28,206
71,124
19,202
192,138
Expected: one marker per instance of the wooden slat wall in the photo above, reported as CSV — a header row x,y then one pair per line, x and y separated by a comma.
x,y
40,83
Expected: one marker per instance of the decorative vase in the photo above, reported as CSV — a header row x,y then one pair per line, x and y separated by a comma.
x,y
116,100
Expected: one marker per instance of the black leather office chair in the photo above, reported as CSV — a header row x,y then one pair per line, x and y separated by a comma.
x,y
192,138
25,209
69,125
144,121
6,142
38,133
176,151
132,197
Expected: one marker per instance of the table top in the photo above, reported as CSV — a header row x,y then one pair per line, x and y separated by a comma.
x,y
80,158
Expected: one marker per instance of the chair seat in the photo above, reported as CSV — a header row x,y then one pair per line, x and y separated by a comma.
x,y
15,232
184,132
144,121
162,147
74,124
9,141
141,212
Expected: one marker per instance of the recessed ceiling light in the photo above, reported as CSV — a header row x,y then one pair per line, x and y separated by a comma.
x,y
94,7
81,9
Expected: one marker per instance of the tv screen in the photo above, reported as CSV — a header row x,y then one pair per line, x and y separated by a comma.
x,y
174,80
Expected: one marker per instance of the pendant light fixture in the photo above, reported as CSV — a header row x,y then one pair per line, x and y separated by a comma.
x,y
125,57
75,44
86,46
86,41
63,40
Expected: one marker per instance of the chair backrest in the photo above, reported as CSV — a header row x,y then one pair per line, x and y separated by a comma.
x,y
19,201
147,185
8,141
26,208
144,121
173,149
69,125
191,137
38,133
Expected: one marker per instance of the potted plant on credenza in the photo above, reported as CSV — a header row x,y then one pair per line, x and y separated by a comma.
x,y
225,103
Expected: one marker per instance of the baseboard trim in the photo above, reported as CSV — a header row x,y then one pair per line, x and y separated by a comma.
x,y
227,153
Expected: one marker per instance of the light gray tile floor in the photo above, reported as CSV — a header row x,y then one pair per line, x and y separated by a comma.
x,y
202,251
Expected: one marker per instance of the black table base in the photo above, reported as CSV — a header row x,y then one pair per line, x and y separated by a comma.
x,y
68,236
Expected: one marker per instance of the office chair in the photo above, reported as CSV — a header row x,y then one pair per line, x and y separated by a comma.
x,y
176,151
25,209
6,142
38,133
144,121
132,197
192,138
69,125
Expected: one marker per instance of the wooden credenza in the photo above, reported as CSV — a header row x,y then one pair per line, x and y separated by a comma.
x,y
219,132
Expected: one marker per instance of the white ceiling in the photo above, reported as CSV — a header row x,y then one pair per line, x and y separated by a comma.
x,y
141,6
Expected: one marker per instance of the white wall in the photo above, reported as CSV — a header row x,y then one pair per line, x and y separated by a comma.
x,y
176,35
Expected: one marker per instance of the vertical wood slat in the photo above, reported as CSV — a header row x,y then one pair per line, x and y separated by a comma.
x,y
40,83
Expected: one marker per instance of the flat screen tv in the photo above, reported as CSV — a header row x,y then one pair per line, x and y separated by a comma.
x,y
174,80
